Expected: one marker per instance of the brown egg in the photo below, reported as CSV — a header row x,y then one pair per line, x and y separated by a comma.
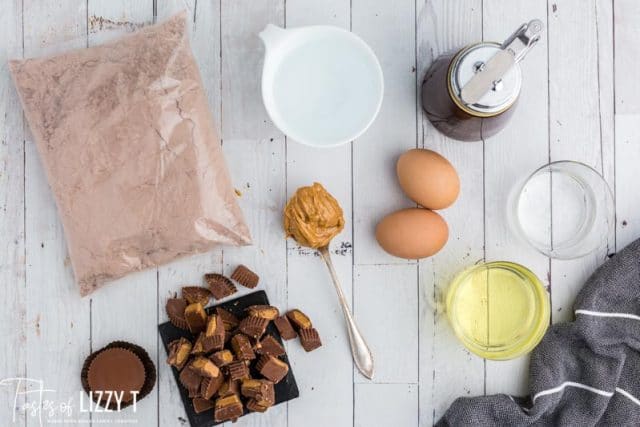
x,y
412,233
428,178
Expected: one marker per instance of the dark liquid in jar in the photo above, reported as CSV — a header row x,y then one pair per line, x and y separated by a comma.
x,y
446,116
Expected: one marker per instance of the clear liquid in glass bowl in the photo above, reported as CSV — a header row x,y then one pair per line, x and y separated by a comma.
x,y
564,209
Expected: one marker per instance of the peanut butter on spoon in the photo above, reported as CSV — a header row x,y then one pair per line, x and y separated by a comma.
x,y
313,217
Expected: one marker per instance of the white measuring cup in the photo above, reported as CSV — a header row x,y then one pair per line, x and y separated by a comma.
x,y
321,85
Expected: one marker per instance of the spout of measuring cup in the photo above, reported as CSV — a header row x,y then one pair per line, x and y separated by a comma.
x,y
272,36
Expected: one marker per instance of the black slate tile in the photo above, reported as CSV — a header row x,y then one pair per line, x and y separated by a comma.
x,y
285,390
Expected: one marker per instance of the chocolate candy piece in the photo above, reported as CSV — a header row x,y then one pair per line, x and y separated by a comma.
x,y
265,311
228,408
213,343
268,398
272,368
190,379
205,367
210,386
215,327
214,334
254,406
196,294
219,285
206,344
310,339
253,326
250,387
270,346
179,351
198,346
299,319
229,387
245,277
229,321
261,391
196,317
175,311
238,370
222,358
242,347
284,327
200,405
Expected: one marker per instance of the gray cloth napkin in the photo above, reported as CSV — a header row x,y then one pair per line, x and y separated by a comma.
x,y
584,373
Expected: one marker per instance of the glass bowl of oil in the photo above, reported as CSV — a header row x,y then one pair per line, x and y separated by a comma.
x,y
499,310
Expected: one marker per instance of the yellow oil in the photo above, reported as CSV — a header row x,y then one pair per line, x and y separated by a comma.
x,y
499,310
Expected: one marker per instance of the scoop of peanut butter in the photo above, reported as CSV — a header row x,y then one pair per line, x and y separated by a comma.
x,y
313,217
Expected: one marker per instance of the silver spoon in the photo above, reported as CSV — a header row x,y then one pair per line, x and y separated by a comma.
x,y
359,349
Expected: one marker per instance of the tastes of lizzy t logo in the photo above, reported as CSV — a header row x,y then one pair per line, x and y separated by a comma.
x,y
34,400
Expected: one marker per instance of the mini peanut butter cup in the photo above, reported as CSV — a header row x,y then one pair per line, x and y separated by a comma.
x,y
196,317
191,381
299,319
198,345
179,351
219,285
310,339
253,326
215,329
200,405
268,312
213,343
285,328
260,390
245,277
269,346
272,368
229,321
222,358
122,368
196,294
210,386
175,311
229,387
242,347
253,406
228,408
238,370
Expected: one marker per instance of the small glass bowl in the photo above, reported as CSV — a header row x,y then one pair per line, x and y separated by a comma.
x,y
564,209
499,310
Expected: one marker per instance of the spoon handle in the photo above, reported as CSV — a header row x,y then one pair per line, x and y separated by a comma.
x,y
359,349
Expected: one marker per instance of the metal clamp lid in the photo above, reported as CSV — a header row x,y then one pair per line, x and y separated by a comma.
x,y
489,75
525,37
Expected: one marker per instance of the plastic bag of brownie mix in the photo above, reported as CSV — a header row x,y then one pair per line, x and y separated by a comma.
x,y
131,152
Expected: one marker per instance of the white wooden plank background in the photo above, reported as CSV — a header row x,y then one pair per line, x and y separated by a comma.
x,y
580,101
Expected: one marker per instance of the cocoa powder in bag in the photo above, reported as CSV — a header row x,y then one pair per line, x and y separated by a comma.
x,y
131,152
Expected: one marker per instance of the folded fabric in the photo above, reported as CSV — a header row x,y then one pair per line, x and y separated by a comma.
x,y
131,153
583,373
